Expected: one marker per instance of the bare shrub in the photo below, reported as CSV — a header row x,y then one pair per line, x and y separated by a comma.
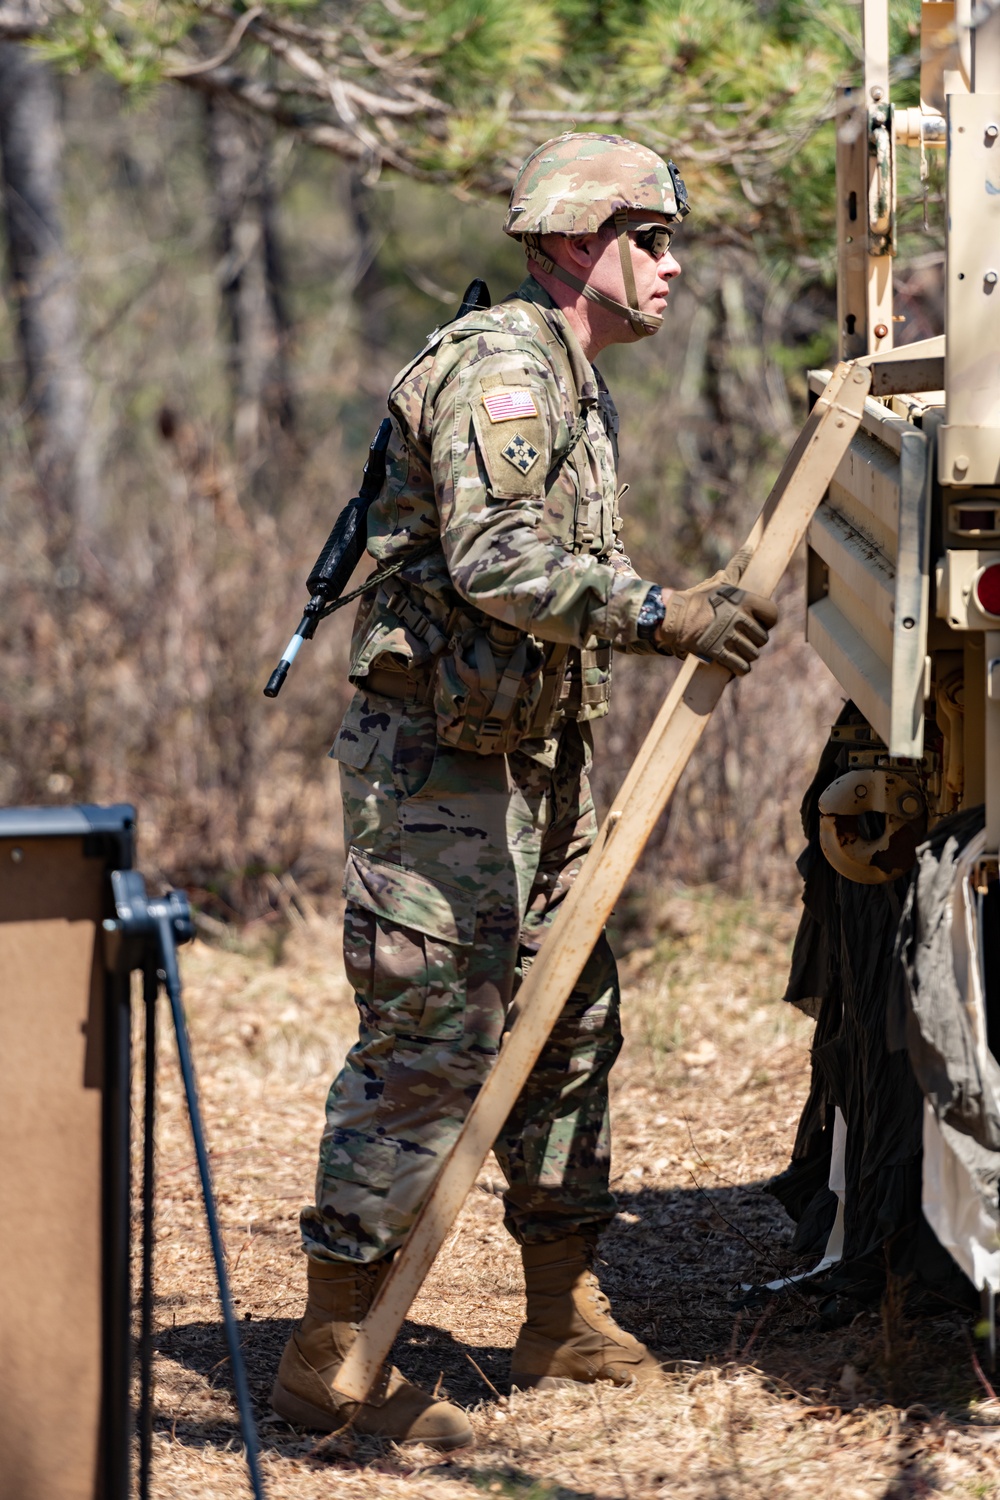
x,y
137,676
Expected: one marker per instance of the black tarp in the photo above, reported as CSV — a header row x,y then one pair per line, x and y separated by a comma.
x,y
845,973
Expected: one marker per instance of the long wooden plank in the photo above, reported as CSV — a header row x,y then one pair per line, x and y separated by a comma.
x,y
779,530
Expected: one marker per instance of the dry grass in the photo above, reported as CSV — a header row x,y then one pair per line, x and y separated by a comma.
x,y
706,1099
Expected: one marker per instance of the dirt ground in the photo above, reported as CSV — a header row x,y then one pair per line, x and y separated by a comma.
x,y
706,1098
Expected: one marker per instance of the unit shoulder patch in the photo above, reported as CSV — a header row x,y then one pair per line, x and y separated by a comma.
x,y
505,403
515,455
521,453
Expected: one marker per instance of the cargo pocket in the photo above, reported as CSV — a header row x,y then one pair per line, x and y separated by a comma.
x,y
353,749
363,750
355,1156
367,728
406,942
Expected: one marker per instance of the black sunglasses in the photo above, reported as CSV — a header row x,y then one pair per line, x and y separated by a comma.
x,y
653,238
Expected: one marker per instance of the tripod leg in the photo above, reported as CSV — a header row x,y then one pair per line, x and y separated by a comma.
x,y
168,955
150,990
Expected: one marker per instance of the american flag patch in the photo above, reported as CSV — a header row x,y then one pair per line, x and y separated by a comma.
x,y
503,406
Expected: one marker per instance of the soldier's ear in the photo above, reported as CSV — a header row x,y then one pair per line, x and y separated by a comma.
x,y
580,250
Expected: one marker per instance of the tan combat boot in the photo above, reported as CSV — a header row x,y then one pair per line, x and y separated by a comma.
x,y
570,1336
340,1293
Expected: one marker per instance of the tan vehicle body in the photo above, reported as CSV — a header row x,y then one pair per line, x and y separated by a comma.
x,y
898,604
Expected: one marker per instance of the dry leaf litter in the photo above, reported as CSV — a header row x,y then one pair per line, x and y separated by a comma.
x,y
758,1403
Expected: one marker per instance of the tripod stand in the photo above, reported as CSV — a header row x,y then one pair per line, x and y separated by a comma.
x,y
144,935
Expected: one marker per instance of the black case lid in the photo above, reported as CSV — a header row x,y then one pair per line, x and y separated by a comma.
x,y
114,826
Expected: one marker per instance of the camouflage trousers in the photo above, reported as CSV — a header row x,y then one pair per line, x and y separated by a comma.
x,y
457,864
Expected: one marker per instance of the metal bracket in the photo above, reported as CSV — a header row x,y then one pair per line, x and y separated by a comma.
x,y
882,181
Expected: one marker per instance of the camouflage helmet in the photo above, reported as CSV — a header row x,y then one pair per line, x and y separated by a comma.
x,y
576,182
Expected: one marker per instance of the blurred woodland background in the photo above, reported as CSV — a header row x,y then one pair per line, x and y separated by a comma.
x,y
225,228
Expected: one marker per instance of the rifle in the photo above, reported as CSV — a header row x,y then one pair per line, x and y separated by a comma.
x,y
345,546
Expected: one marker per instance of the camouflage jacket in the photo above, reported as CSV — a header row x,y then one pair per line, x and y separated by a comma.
x,y
502,482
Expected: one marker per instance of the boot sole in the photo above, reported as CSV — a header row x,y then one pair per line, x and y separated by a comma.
x,y
544,1382
303,1414
561,1382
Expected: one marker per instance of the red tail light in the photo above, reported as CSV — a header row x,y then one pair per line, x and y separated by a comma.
x,y
988,590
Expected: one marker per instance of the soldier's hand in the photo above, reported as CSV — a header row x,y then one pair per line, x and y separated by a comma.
x,y
718,622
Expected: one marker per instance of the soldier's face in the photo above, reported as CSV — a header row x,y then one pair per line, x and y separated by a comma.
x,y
653,273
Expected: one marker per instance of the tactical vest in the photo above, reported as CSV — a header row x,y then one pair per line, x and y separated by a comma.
x,y
492,686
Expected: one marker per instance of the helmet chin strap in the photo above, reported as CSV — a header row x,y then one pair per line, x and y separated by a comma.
x,y
642,323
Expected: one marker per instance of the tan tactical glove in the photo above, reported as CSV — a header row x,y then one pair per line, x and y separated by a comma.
x,y
718,621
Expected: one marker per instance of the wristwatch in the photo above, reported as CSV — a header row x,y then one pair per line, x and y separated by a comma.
x,y
650,615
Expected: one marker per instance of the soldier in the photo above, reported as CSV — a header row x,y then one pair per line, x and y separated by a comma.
x,y
464,760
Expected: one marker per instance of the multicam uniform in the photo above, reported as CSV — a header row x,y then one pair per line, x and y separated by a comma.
x,y
464,761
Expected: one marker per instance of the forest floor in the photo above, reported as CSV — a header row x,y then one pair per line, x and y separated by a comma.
x,y
756,1403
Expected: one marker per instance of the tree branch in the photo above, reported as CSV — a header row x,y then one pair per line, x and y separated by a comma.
x,y
263,99
383,101
232,42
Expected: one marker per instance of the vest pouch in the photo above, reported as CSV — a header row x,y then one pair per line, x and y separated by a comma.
x,y
595,681
487,688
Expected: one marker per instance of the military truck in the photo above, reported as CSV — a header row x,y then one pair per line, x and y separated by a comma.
x,y
903,605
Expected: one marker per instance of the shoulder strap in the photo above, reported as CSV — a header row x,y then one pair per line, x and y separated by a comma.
x,y
478,321
559,353
437,337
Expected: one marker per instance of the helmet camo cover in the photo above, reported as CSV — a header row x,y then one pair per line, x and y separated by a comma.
x,y
575,182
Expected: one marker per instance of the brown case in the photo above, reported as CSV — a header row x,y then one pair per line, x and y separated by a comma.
x,y
64,1170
